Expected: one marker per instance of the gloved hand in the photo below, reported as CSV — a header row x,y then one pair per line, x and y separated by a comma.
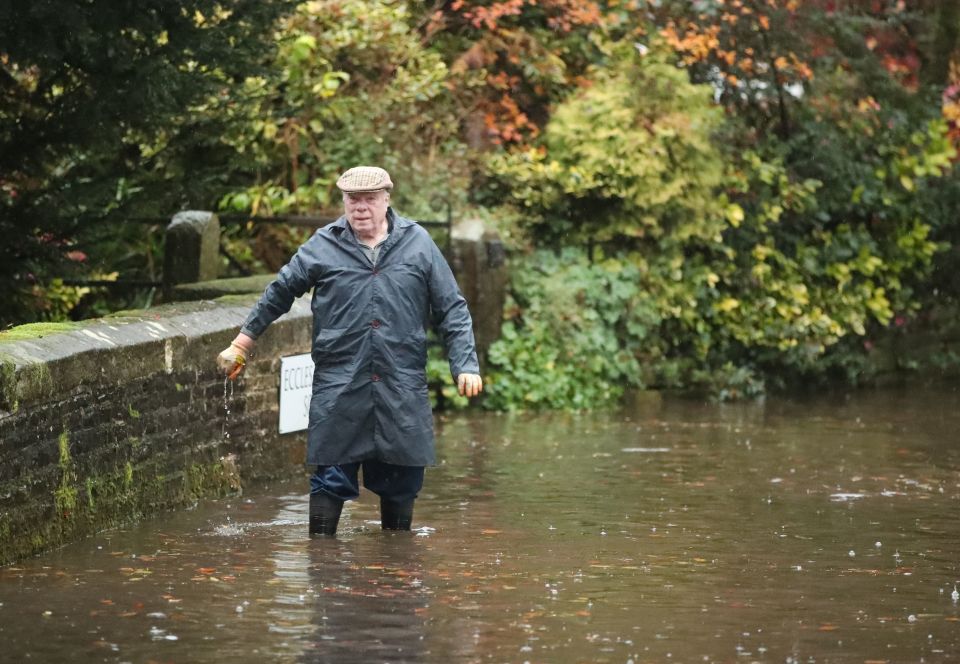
x,y
233,359
469,385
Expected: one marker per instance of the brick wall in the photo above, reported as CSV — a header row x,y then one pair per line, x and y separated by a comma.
x,y
124,416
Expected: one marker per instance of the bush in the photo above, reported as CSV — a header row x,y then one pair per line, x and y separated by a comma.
x,y
705,269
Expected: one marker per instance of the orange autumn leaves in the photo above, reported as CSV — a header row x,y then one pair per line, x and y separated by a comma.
x,y
737,40
562,15
515,43
521,50
951,105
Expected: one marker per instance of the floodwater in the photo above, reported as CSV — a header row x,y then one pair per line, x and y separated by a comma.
x,y
812,530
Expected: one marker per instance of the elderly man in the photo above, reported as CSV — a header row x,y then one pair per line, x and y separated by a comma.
x,y
377,279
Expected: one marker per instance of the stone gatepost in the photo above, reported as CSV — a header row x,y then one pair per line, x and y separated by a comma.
x,y
191,250
478,259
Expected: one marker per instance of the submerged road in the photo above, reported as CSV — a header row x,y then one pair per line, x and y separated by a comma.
x,y
811,530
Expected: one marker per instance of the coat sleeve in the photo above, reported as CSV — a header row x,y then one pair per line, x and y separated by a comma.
x,y
451,316
294,279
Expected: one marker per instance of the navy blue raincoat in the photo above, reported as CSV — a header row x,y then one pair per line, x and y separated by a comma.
x,y
370,398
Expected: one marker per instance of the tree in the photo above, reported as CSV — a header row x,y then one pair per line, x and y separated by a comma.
x,y
512,59
107,111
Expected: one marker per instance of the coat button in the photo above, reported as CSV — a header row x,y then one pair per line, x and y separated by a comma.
x,y
375,378
376,272
375,323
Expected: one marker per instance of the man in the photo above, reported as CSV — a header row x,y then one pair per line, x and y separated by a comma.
x,y
377,280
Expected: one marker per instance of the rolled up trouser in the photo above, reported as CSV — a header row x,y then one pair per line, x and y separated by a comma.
x,y
395,483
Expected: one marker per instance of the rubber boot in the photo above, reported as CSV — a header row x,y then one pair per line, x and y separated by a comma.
x,y
396,516
324,514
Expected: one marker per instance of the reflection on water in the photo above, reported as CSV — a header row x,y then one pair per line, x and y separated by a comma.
x,y
819,530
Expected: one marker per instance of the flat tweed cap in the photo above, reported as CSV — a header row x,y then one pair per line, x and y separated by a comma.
x,y
364,178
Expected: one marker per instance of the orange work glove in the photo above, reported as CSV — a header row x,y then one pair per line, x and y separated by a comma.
x,y
233,359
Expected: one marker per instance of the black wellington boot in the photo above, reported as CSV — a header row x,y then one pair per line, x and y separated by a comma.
x,y
396,516
324,514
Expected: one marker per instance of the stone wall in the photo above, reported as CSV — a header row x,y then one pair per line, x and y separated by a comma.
x,y
105,421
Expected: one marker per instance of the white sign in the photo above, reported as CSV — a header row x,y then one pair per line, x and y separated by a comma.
x,y
296,381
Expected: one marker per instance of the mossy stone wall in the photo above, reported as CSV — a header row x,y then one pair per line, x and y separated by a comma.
x,y
105,421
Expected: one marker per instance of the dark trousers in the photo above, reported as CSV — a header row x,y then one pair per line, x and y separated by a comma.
x,y
397,484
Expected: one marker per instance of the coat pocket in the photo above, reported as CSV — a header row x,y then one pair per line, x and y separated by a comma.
x,y
329,344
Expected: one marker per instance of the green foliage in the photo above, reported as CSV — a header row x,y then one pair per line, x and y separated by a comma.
x,y
354,85
574,335
628,158
107,111
740,269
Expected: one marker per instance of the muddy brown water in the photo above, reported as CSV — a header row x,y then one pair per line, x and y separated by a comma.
x,y
812,530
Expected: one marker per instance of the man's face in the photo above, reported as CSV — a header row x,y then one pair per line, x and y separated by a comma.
x,y
366,211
